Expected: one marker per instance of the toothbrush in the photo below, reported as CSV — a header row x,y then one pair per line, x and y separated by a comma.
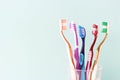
x,y
90,54
82,34
104,30
69,48
76,52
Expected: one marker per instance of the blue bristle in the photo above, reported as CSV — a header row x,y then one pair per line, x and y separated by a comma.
x,y
82,32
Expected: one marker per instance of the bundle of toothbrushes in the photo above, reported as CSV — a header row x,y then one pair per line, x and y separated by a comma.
x,y
77,54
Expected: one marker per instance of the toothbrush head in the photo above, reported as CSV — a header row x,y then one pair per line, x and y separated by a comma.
x,y
105,25
82,32
73,26
63,24
95,30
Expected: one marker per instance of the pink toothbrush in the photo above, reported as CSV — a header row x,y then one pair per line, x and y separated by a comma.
x,y
90,54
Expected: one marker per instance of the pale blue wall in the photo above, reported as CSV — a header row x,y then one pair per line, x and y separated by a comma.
x,y
31,47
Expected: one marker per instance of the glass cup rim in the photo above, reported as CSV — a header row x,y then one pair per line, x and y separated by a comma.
x,y
98,69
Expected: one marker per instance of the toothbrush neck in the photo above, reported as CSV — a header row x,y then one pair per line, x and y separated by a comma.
x,y
100,45
83,45
91,48
76,38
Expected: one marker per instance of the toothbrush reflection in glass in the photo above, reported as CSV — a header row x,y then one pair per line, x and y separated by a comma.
x,y
76,52
82,34
69,48
91,53
94,67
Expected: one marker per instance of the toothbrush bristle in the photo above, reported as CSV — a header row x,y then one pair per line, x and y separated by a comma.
x,y
104,30
73,26
82,32
63,24
95,26
95,29
104,24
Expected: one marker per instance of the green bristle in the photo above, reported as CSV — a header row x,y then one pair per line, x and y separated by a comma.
x,y
104,30
104,23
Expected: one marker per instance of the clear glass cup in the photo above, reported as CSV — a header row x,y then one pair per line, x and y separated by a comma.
x,y
86,74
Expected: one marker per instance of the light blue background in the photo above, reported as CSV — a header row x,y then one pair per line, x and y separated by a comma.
x,y
31,47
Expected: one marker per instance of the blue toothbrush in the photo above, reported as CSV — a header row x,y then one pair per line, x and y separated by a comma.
x,y
82,34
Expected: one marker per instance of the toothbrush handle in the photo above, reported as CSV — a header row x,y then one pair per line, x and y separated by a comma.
x,y
82,59
77,65
70,53
88,66
82,66
90,54
94,64
89,62
76,56
82,55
